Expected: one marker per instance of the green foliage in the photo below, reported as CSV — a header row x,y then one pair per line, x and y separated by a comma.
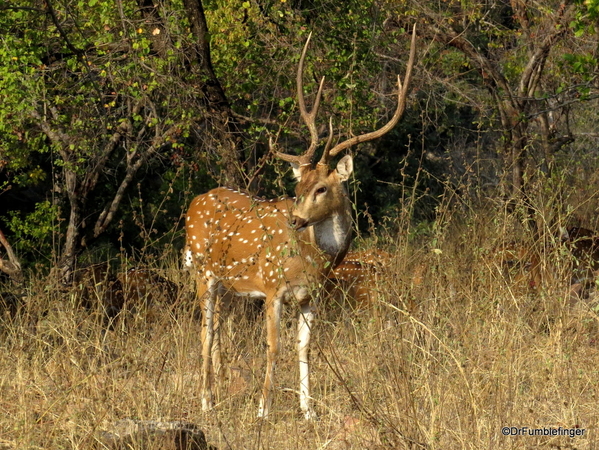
x,y
69,94
19,80
256,48
37,232
582,65
585,22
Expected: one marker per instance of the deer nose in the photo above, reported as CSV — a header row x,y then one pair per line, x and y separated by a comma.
x,y
298,223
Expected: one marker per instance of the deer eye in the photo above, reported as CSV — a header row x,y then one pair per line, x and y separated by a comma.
x,y
321,190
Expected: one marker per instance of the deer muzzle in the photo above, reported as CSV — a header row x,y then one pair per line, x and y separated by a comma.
x,y
298,223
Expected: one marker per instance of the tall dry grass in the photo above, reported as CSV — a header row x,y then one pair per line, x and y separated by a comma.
x,y
442,363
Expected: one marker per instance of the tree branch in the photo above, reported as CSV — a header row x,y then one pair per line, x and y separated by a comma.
x,y
533,70
199,28
110,210
125,127
488,69
12,267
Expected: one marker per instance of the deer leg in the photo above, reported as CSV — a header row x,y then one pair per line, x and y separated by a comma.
x,y
208,304
273,334
217,364
305,321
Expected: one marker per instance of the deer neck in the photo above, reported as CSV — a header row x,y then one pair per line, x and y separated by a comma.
x,y
333,235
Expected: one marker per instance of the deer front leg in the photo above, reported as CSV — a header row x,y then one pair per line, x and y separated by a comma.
x,y
217,364
273,333
208,304
305,321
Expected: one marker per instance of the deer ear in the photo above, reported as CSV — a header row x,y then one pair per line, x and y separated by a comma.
x,y
297,173
345,167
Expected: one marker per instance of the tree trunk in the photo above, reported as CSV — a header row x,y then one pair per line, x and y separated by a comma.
x,y
228,131
71,245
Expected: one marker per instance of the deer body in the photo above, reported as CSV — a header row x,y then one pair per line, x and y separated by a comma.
x,y
279,250
359,274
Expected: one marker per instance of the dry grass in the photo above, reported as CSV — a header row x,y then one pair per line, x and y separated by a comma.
x,y
440,365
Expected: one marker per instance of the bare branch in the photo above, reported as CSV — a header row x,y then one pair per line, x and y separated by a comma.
x,y
12,267
532,72
124,128
133,165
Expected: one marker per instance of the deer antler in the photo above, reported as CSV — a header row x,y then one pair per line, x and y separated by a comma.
x,y
309,118
401,106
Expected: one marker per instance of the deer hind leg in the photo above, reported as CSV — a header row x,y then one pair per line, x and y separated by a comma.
x,y
208,303
273,337
305,321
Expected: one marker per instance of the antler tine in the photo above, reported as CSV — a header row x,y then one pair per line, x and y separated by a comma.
x,y
325,154
401,106
309,118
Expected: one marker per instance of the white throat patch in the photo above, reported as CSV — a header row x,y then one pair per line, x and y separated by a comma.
x,y
332,235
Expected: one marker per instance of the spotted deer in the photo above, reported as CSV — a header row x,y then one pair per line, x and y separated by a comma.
x,y
583,245
520,265
358,276
278,250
